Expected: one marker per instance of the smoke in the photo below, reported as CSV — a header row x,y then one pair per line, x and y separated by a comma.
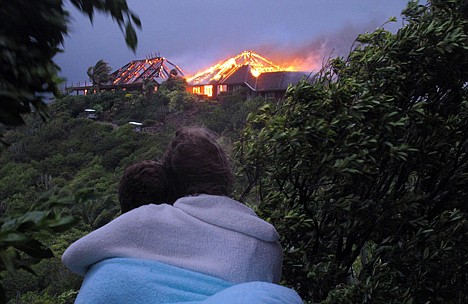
x,y
311,55
305,55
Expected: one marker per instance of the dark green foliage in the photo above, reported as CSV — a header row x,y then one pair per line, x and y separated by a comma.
x,y
148,87
30,36
55,286
81,160
51,281
180,101
228,115
122,107
174,83
173,94
99,74
17,178
74,106
28,43
92,207
31,33
21,242
365,171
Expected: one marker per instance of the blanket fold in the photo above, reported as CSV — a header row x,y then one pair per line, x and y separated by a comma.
x,y
126,280
255,293
136,281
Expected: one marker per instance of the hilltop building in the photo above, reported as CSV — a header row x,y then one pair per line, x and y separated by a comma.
x,y
249,73
134,75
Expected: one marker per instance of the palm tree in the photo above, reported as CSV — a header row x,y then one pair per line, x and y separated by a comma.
x,y
99,74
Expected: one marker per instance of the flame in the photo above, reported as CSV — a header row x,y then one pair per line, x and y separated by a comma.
x,y
255,72
203,90
257,64
137,70
208,90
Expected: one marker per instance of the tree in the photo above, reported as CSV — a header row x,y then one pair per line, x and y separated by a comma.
x,y
21,238
99,74
364,171
31,33
174,82
149,85
174,91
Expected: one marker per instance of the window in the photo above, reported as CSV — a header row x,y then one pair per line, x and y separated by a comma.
x,y
208,90
237,87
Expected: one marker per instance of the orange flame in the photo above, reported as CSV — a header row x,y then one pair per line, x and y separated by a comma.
x,y
257,63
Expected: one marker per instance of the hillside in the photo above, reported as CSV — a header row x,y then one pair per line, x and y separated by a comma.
x,y
363,172
77,162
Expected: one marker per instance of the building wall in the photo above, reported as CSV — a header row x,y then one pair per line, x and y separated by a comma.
x,y
203,90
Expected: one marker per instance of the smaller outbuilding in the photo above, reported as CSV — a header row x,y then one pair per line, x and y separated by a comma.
x,y
137,126
90,113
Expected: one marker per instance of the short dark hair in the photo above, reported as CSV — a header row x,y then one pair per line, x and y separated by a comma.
x,y
143,183
197,164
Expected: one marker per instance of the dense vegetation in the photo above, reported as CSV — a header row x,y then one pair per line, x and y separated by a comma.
x,y
29,42
365,171
31,34
71,165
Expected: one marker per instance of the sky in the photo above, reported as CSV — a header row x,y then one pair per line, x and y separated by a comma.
x,y
196,34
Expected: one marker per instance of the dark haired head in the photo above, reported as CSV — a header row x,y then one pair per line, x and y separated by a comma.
x,y
143,183
197,164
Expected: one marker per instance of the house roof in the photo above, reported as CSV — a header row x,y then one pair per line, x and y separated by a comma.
x,y
236,76
275,81
268,81
226,69
138,70
241,69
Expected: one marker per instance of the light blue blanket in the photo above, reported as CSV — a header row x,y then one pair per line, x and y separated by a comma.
x,y
126,280
255,293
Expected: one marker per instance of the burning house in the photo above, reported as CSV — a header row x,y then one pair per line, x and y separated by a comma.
x,y
247,72
135,75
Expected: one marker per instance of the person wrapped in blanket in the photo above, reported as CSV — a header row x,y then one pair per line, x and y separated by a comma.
x,y
204,248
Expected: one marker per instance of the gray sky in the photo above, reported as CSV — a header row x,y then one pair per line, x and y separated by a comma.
x,y
195,34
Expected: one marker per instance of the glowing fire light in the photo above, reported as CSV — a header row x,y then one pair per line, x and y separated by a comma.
x,y
255,73
257,64
137,70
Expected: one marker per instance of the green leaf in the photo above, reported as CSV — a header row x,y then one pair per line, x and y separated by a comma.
x,y
131,37
8,258
35,249
63,224
136,20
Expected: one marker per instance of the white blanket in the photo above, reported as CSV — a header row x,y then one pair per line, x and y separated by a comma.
x,y
212,235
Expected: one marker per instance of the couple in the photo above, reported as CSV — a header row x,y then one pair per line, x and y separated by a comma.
x,y
204,248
